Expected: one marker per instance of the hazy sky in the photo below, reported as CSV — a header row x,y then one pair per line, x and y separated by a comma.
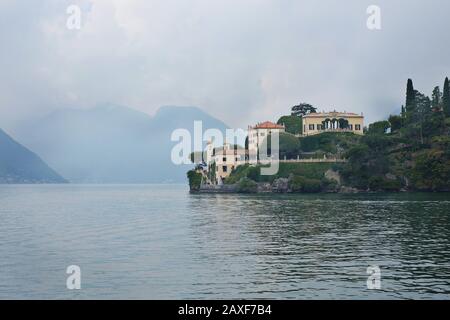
x,y
243,61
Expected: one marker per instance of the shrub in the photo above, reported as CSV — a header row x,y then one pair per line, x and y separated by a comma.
x,y
375,183
312,186
246,185
391,185
431,171
195,180
302,184
378,183
328,185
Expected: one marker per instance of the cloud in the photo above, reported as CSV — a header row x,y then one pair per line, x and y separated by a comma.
x,y
242,61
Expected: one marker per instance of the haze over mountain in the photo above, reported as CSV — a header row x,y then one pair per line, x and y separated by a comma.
x,y
20,165
113,144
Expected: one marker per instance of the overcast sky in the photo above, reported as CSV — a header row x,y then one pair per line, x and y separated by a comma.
x,y
242,61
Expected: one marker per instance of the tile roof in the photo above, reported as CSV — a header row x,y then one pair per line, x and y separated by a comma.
x,y
268,125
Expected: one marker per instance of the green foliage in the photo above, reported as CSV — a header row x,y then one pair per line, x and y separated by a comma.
x,y
396,123
247,185
329,142
379,183
417,150
293,124
410,100
414,155
379,127
212,172
446,98
244,171
307,170
302,109
431,171
368,159
302,184
195,180
436,98
289,145
328,185
357,153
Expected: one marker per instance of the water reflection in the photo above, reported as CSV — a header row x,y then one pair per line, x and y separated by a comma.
x,y
297,246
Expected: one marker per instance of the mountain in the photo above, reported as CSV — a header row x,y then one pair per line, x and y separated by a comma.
x,y
20,165
113,144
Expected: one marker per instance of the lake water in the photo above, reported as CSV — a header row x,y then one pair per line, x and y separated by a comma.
x,y
160,242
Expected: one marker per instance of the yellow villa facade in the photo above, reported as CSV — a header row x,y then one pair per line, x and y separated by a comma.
x,y
315,123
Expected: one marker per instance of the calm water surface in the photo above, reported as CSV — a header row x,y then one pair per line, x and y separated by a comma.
x,y
160,242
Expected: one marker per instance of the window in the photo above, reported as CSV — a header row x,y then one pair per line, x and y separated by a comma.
x,y
311,127
224,159
350,126
224,168
319,127
304,127
262,134
357,127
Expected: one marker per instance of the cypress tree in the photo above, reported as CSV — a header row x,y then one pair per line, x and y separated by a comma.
x,y
410,100
446,98
410,96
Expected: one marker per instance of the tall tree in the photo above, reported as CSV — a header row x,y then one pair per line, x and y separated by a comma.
x,y
446,98
422,112
302,109
410,95
410,101
436,98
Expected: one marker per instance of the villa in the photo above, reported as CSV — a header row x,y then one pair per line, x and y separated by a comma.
x,y
224,160
258,133
315,123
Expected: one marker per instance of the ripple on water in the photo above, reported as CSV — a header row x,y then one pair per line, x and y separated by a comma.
x,y
161,242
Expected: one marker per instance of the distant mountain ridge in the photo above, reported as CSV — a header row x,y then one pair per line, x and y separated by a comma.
x,y
20,165
113,144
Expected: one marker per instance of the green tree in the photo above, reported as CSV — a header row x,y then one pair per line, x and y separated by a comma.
x,y
396,123
246,185
432,170
436,98
446,98
289,145
302,184
195,180
422,112
293,124
410,100
379,127
303,109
